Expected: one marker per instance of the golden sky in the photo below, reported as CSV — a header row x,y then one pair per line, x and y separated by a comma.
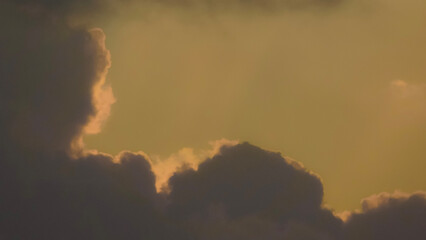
x,y
343,91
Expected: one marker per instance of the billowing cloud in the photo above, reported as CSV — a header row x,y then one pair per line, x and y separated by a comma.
x,y
244,184
51,80
94,197
52,91
389,216
186,158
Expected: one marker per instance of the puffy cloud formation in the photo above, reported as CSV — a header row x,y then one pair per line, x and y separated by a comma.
x,y
51,80
235,180
89,198
389,216
244,185
52,91
164,168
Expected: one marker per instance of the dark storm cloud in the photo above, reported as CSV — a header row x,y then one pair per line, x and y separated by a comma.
x,y
49,74
235,179
54,197
389,217
247,186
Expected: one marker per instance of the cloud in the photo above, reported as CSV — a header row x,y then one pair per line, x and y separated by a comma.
x,y
246,183
387,199
186,158
53,91
389,216
51,79
403,89
406,104
92,197
102,95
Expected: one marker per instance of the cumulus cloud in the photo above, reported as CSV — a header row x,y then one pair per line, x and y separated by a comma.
x,y
389,216
244,182
186,158
52,91
89,198
102,95
51,79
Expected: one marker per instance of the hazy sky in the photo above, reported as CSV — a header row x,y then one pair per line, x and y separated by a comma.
x,y
341,89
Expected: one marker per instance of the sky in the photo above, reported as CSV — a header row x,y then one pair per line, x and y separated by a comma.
x,y
341,89
212,120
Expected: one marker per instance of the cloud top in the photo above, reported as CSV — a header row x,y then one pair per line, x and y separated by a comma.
x,y
389,217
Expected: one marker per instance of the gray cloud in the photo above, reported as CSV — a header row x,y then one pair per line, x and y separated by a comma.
x,y
88,198
49,74
245,185
49,79
389,217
